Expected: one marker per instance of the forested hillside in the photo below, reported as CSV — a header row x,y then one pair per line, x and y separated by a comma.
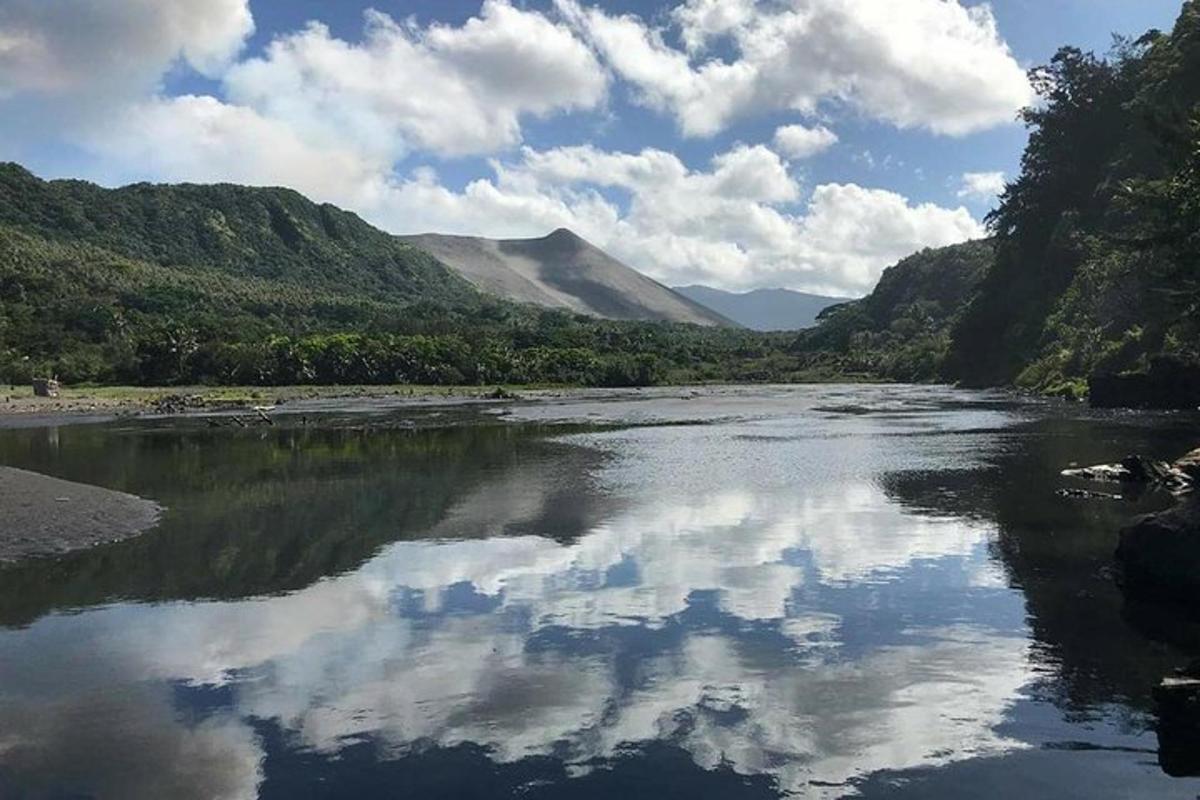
x,y
245,232
901,331
227,284
1093,271
1097,265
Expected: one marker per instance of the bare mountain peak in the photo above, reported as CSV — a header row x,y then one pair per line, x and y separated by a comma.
x,y
562,270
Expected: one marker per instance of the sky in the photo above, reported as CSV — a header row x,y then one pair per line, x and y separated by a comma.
x,y
741,144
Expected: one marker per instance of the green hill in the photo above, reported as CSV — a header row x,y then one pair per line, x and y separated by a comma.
x,y
1098,240
901,331
1092,277
225,284
273,234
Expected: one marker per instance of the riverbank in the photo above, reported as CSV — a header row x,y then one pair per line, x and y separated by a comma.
x,y
118,400
20,408
46,516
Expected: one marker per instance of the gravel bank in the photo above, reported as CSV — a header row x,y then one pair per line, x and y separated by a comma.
x,y
40,515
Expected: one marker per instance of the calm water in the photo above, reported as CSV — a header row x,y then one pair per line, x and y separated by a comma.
x,y
820,592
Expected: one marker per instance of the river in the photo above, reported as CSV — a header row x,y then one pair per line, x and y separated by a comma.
x,y
827,591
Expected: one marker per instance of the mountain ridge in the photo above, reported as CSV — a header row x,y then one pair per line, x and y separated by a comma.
x,y
562,270
771,309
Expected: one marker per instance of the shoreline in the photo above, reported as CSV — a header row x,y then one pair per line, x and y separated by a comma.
x,y
83,405
46,516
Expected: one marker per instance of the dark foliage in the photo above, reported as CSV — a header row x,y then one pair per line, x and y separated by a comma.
x,y
901,331
1097,239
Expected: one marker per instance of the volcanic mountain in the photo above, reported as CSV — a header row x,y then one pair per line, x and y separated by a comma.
x,y
563,271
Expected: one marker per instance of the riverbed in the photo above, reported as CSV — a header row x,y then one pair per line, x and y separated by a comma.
x,y
747,592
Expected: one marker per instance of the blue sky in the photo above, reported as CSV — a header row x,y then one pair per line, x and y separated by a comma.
x,y
652,128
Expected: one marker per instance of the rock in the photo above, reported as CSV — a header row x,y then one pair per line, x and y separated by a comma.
x,y
1159,554
1135,470
173,404
1178,702
1190,465
1088,494
1169,383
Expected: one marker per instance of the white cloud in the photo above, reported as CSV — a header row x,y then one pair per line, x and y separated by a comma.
x,y
80,47
210,140
735,225
931,64
700,21
797,141
442,89
331,118
981,185
448,90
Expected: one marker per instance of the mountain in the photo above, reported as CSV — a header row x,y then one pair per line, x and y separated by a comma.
x,y
902,329
562,271
181,285
763,309
239,231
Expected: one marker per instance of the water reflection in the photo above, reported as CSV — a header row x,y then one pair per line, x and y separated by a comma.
x,y
778,604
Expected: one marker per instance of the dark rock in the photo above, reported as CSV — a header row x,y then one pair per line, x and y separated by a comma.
x,y
178,404
1178,701
1170,383
1159,554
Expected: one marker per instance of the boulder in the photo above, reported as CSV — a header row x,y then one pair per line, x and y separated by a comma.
x,y
1159,554
1177,699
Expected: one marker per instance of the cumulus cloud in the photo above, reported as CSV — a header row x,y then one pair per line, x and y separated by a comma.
x,y
210,140
442,89
981,185
72,46
68,64
736,224
797,141
448,90
332,118
927,64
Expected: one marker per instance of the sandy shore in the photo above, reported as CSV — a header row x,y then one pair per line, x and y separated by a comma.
x,y
21,409
45,516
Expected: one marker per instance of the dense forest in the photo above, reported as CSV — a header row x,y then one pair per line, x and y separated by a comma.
x,y
163,285
1096,264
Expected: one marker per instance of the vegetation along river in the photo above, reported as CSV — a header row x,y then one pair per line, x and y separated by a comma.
x,y
828,591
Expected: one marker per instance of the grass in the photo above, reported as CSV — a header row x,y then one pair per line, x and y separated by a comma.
x,y
118,396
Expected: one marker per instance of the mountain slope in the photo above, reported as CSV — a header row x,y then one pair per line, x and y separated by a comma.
x,y
562,271
763,309
1098,238
901,330
183,285
245,232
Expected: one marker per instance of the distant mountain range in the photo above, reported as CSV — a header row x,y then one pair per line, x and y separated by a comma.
x,y
563,271
763,309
